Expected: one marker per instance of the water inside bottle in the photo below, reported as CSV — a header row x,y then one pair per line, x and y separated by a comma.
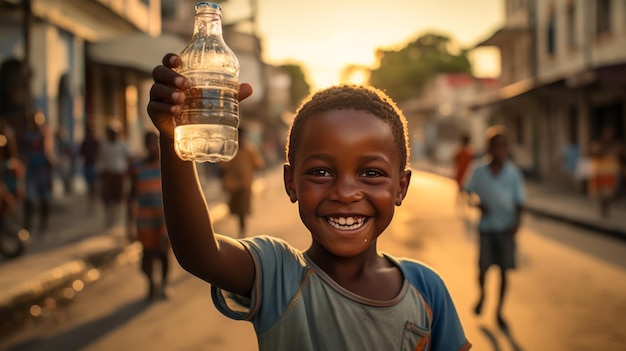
x,y
207,128
206,142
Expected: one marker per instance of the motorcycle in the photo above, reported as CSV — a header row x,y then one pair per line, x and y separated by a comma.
x,y
13,238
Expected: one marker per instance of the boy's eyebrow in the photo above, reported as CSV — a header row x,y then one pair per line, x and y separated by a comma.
x,y
364,158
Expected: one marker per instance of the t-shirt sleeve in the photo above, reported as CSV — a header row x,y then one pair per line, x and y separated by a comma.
x,y
446,331
278,269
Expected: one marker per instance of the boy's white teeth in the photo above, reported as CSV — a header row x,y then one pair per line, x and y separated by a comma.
x,y
346,223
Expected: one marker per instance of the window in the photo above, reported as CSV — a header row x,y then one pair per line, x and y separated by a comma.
x,y
603,16
551,34
571,24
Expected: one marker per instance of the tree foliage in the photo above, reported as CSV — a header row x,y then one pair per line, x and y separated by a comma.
x,y
403,73
299,88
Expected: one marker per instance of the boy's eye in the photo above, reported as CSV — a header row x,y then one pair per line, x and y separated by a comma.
x,y
319,173
372,173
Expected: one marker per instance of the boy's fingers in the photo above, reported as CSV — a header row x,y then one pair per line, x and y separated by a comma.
x,y
171,60
164,93
165,75
159,110
245,90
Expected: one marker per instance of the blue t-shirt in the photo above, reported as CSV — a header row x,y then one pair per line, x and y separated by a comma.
x,y
297,306
500,193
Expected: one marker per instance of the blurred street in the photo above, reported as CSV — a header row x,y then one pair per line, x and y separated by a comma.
x,y
568,293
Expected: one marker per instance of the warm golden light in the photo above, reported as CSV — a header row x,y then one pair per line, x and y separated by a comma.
x,y
35,310
326,36
40,118
78,285
358,77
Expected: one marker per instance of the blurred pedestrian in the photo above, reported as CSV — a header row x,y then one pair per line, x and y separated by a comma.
x,y
113,164
12,168
462,159
499,187
607,156
347,169
89,151
37,149
64,153
571,160
146,216
238,176
12,173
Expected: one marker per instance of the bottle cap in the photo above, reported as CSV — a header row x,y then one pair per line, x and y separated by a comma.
x,y
209,4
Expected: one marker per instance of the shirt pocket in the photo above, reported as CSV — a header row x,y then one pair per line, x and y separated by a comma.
x,y
415,338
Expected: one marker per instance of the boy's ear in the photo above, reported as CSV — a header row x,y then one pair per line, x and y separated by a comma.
x,y
405,179
290,184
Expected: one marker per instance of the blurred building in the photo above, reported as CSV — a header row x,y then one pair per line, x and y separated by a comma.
x,y
563,78
91,61
44,64
440,115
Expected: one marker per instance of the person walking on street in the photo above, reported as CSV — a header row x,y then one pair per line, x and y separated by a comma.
x,y
89,151
37,148
462,160
347,169
237,178
607,158
500,190
146,216
113,163
12,168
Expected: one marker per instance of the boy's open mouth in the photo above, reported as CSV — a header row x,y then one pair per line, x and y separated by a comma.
x,y
346,223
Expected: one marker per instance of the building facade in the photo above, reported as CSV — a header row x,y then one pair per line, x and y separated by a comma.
x,y
43,65
563,79
443,113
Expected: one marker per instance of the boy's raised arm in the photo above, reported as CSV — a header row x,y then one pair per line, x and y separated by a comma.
x,y
217,259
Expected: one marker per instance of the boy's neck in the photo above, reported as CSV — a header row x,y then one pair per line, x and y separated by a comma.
x,y
361,275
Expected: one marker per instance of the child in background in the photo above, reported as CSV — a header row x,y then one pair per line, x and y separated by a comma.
x,y
238,176
347,170
462,160
500,188
146,213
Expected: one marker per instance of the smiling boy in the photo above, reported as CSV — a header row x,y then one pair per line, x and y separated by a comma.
x,y
347,171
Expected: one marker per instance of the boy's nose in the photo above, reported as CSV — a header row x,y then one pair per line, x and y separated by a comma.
x,y
346,189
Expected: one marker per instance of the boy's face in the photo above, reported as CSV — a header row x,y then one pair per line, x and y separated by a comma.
x,y
347,181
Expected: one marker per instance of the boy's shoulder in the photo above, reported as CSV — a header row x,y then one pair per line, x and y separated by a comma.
x,y
421,276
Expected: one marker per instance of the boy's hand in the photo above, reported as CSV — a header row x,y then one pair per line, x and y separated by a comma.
x,y
167,94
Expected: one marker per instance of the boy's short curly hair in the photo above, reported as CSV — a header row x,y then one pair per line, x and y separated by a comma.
x,y
356,97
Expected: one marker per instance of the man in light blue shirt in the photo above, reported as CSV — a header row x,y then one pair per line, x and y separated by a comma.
x,y
500,188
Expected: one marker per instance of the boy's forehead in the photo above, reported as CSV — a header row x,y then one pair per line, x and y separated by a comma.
x,y
346,128
346,122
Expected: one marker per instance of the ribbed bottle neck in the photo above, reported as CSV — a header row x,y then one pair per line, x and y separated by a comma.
x,y
207,22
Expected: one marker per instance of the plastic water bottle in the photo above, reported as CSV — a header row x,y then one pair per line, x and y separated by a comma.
x,y
207,128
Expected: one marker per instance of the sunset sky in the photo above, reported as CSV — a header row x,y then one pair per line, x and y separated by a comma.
x,y
326,35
